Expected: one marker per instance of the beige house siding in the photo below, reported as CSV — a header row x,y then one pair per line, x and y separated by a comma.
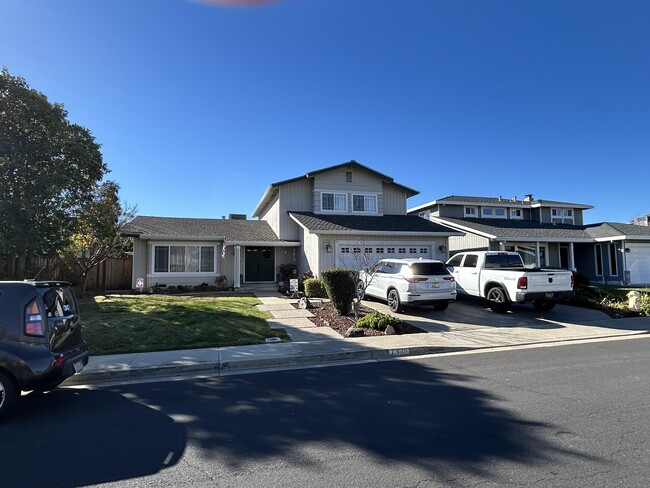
x,y
468,241
393,201
271,215
362,181
139,262
294,196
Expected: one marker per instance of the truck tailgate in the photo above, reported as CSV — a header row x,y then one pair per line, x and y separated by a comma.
x,y
549,280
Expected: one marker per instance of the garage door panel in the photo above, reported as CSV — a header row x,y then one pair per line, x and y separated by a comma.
x,y
361,256
638,262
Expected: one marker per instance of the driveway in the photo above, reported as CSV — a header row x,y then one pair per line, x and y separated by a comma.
x,y
469,322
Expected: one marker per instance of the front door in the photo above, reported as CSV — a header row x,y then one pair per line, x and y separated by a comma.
x,y
259,264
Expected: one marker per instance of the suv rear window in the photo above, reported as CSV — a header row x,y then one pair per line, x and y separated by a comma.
x,y
59,301
429,269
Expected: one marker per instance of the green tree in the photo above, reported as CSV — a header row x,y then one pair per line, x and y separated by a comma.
x,y
48,168
97,231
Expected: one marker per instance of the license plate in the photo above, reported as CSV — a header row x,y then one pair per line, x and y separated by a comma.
x,y
434,285
78,366
549,294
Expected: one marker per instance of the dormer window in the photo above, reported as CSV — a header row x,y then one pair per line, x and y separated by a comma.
x,y
364,203
562,215
515,213
334,202
493,213
471,211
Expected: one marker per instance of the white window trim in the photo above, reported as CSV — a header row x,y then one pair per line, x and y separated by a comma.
x,y
475,214
152,259
505,213
602,264
334,193
364,195
517,217
562,215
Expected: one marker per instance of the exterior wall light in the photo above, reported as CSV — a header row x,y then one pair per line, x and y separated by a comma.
x,y
328,247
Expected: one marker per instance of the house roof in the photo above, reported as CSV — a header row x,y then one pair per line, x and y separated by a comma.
x,y
201,229
530,230
617,230
499,201
369,224
272,190
512,229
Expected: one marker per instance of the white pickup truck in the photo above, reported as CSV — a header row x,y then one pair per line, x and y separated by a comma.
x,y
501,278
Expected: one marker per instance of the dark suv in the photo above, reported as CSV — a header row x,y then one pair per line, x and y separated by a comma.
x,y
40,338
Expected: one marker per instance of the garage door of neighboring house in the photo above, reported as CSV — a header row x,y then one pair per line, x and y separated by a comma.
x,y
354,255
638,262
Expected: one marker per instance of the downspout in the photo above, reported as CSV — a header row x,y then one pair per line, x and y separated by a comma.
x,y
572,263
625,270
537,256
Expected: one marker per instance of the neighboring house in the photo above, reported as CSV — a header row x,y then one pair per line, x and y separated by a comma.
x,y
347,215
645,220
545,233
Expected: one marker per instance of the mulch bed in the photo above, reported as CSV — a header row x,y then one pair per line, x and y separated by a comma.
x,y
326,316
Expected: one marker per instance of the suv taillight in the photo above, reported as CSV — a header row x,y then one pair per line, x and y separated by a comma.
x,y
573,281
413,279
449,278
522,283
34,323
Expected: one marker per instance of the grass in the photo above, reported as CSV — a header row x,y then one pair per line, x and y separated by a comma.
x,y
145,323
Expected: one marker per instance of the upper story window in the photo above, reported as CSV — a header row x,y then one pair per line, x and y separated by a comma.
x,y
334,202
493,213
471,212
562,215
364,203
348,176
516,213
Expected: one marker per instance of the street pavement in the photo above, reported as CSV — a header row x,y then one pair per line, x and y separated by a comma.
x,y
465,325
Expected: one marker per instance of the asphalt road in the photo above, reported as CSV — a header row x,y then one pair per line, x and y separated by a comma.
x,y
567,416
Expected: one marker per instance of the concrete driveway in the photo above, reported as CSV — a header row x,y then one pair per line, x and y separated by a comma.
x,y
470,323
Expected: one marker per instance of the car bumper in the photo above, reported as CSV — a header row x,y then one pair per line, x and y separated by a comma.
x,y
422,298
43,372
553,296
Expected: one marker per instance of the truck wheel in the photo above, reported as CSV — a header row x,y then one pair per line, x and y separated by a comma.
x,y
498,300
543,305
9,394
394,303
440,306
361,290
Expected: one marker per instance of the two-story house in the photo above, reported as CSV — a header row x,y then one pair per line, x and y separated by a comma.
x,y
347,215
545,233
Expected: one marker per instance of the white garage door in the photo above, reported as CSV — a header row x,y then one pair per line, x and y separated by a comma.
x,y
362,256
638,262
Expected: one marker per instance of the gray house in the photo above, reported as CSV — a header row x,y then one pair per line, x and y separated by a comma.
x,y
347,215
545,233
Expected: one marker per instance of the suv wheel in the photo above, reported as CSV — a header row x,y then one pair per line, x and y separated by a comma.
x,y
361,290
9,394
394,303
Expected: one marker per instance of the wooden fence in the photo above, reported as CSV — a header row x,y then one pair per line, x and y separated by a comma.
x,y
112,274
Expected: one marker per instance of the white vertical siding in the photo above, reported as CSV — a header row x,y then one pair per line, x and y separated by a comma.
x,y
140,259
394,200
468,241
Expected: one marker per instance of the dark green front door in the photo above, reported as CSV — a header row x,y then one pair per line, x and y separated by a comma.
x,y
259,264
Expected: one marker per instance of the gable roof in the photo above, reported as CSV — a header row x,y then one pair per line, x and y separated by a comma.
x,y
522,230
617,231
498,201
234,230
272,190
407,225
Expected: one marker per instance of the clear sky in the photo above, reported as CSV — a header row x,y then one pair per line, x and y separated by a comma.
x,y
199,106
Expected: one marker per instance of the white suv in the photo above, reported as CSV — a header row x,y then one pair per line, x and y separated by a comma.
x,y
408,282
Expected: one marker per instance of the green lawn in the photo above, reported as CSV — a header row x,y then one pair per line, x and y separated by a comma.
x,y
143,323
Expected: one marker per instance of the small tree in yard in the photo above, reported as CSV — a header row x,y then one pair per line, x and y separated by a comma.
x,y
340,287
97,231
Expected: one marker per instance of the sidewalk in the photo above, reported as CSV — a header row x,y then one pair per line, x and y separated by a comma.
x,y
314,345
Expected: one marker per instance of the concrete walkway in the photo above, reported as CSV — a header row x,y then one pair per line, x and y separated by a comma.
x,y
460,327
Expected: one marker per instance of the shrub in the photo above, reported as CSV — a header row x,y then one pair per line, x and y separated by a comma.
x,y
288,271
645,304
378,321
340,287
314,288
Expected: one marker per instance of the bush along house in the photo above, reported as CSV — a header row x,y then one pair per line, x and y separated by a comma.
x,y
347,215
545,233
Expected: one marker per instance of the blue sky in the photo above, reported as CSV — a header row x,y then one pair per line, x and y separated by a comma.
x,y
200,107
